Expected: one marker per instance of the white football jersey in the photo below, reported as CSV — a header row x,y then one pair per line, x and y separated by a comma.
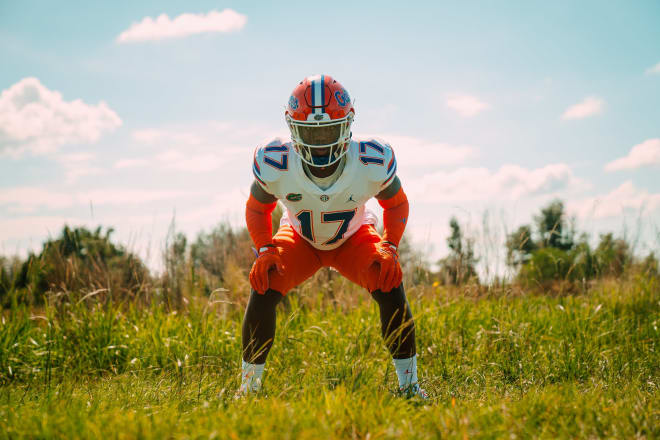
x,y
325,218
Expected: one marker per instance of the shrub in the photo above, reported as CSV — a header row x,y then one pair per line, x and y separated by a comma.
x,y
553,228
613,255
10,269
459,266
546,265
584,261
81,259
519,246
650,267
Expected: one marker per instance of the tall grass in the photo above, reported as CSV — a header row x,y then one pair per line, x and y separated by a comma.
x,y
497,363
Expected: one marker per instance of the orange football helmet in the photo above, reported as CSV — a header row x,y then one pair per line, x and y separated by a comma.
x,y
320,105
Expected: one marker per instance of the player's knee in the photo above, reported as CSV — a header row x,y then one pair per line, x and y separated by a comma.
x,y
393,303
270,296
259,325
396,295
266,302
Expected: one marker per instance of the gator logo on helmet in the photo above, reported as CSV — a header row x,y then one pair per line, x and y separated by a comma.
x,y
342,97
293,103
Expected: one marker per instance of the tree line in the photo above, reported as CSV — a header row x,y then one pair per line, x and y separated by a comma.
x,y
544,254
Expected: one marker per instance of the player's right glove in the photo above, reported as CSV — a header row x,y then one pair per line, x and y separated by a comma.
x,y
390,270
268,258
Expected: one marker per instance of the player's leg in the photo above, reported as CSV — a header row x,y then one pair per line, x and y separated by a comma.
x,y
258,332
397,325
398,330
396,322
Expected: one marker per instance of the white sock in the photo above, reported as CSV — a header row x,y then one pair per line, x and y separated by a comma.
x,y
406,371
251,377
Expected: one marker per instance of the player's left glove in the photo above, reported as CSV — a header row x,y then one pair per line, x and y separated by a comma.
x,y
390,269
268,259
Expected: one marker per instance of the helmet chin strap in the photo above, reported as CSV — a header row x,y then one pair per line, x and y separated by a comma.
x,y
320,161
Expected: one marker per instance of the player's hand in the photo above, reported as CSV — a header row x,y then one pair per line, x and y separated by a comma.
x,y
269,258
390,269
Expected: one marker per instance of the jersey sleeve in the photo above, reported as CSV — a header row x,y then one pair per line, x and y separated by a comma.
x,y
383,169
269,164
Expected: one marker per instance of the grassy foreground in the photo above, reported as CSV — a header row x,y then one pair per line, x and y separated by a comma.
x,y
498,366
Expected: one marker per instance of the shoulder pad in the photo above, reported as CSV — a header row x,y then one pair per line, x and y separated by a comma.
x,y
378,156
270,161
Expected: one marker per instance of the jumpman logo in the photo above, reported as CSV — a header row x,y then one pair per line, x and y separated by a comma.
x,y
350,199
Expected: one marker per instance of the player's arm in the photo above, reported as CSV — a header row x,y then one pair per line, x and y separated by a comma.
x,y
258,210
260,194
395,211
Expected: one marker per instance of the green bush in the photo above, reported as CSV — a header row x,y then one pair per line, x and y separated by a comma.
x,y
613,255
458,267
548,264
584,261
10,269
80,259
649,267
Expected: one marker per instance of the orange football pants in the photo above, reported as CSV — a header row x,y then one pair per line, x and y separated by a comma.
x,y
302,260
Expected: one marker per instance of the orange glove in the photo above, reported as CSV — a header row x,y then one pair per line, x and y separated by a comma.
x,y
390,270
269,258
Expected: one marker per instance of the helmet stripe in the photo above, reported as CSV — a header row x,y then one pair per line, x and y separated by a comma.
x,y
316,96
312,93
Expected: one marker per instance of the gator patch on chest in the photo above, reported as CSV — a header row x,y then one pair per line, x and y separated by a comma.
x,y
294,197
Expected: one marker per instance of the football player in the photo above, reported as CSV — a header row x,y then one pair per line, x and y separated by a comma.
x,y
324,177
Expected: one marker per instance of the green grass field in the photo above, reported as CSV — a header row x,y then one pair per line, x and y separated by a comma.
x,y
495,366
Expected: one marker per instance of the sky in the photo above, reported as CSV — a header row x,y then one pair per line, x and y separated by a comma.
x,y
140,115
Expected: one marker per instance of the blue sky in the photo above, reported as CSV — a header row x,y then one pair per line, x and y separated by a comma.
x,y
496,107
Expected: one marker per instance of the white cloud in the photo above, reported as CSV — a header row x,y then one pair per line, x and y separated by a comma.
x,y
653,70
29,199
510,182
176,160
215,135
646,153
466,105
228,205
37,120
153,136
77,165
625,197
163,27
19,236
588,107
126,196
131,163
194,163
210,146
416,152
199,147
